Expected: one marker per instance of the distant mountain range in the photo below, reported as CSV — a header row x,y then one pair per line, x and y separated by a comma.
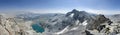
x,y
77,22
72,23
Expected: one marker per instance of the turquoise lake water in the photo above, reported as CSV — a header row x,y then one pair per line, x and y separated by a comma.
x,y
37,28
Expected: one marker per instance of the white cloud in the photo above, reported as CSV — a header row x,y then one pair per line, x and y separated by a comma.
x,y
65,10
80,9
49,10
104,11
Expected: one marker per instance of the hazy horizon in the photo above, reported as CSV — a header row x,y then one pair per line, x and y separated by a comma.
x,y
61,6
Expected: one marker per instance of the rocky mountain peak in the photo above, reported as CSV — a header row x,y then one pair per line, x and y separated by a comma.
x,y
74,10
99,19
102,18
79,15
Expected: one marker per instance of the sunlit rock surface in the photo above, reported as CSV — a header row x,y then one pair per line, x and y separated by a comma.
x,y
13,26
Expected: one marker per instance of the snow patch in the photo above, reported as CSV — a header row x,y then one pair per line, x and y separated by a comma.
x,y
77,22
75,28
85,23
71,15
64,30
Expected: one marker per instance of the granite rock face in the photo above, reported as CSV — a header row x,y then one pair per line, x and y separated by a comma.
x,y
80,15
12,26
95,23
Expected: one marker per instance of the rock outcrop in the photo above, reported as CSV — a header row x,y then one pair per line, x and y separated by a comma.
x,y
13,26
95,23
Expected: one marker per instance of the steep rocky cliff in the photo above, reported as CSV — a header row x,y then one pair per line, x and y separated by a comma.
x,y
13,26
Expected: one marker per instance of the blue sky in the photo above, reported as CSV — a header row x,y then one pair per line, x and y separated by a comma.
x,y
61,6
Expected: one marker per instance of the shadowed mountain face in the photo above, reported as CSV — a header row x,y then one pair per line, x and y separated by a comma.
x,y
100,19
80,15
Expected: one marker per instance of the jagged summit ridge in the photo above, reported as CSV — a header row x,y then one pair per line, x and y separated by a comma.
x,y
80,15
74,11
